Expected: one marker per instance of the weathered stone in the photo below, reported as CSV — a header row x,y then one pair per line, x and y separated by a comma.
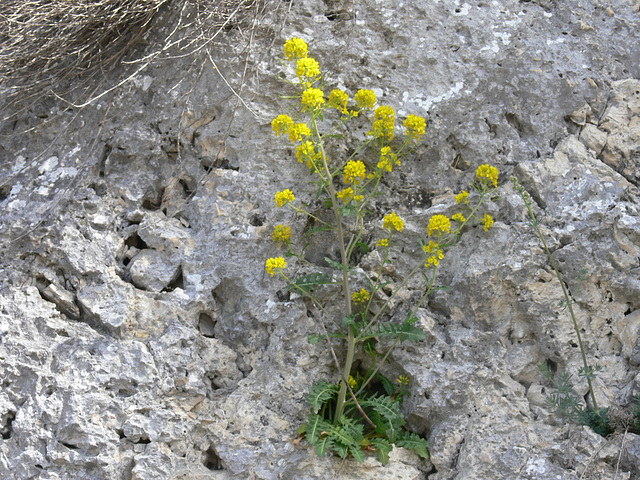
x,y
140,337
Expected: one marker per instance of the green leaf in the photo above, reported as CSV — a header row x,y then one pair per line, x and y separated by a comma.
x,y
307,283
404,331
319,393
350,320
323,446
387,384
313,339
348,210
389,417
353,428
320,228
357,453
383,449
414,442
340,449
313,428
341,435
337,265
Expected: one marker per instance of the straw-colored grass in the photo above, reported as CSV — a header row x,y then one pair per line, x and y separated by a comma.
x,y
60,47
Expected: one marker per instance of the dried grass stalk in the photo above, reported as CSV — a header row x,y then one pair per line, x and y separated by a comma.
x,y
46,45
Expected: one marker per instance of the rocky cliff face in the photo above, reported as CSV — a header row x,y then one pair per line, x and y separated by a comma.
x,y
140,337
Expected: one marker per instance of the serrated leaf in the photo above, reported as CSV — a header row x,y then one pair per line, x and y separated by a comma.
x,y
350,320
414,442
307,283
404,331
340,435
357,453
354,428
388,386
362,247
348,210
313,428
336,265
383,449
323,446
314,339
389,418
319,393
340,449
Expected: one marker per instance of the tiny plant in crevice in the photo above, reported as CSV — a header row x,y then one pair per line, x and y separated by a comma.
x,y
563,400
358,411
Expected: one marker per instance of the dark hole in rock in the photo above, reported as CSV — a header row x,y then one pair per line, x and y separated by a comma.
x,y
120,433
212,460
206,325
144,440
552,366
188,190
283,296
153,201
257,220
70,446
177,283
7,420
135,241
5,190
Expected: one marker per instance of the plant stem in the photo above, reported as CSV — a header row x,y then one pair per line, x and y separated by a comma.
x,y
567,297
351,343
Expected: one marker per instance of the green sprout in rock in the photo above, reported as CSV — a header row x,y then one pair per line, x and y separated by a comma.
x,y
360,411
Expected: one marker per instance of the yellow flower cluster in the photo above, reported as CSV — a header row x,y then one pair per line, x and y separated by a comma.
x,y
487,173
361,297
415,126
275,263
295,48
284,124
434,253
403,380
352,382
384,122
388,160
312,98
281,233
384,242
338,100
487,221
366,99
281,124
354,172
307,153
284,197
392,220
458,217
462,197
307,67
439,224
298,131
347,194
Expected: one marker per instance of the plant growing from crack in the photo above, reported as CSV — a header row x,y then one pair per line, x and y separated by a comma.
x,y
361,410
566,403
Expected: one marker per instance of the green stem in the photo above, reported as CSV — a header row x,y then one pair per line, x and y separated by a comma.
x,y
413,312
567,296
351,344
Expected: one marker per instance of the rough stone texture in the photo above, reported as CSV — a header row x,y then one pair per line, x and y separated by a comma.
x,y
140,337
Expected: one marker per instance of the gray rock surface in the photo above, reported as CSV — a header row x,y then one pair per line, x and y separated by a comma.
x,y
140,337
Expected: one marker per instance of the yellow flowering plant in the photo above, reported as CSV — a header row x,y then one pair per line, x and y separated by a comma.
x,y
351,415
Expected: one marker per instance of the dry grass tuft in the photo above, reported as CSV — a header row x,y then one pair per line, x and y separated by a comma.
x,y
60,47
